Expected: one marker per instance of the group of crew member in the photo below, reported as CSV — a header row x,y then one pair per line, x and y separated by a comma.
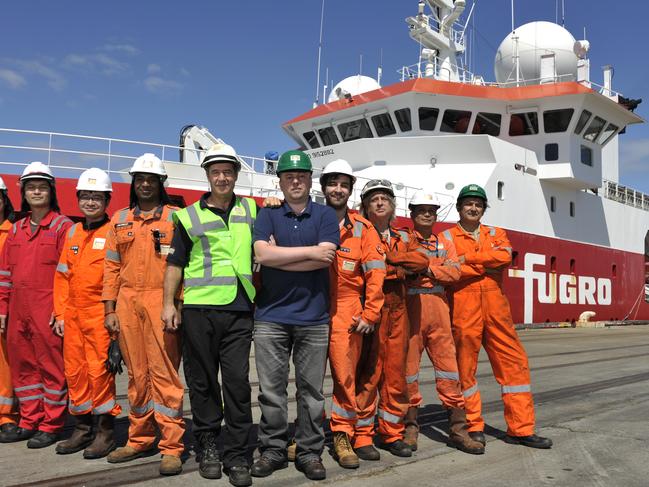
x,y
168,283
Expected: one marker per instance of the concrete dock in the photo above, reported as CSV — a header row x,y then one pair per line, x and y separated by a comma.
x,y
591,390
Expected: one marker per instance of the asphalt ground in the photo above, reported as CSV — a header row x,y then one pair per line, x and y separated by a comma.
x,y
591,389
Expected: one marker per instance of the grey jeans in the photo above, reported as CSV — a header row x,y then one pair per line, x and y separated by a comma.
x,y
273,345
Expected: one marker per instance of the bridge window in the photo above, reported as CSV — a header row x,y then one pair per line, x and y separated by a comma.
x,y
586,155
581,123
311,139
428,118
524,124
608,133
357,129
594,129
487,123
383,125
328,136
551,152
456,121
553,204
557,120
572,208
403,119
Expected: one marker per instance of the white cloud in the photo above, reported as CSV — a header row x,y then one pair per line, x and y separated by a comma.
x,y
158,85
12,78
125,48
153,68
634,155
54,79
184,72
98,61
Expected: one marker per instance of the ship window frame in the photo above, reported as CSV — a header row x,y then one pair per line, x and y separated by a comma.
x,y
501,190
451,118
586,155
402,121
552,152
488,122
329,131
584,117
553,204
364,130
385,116
561,123
432,110
572,209
606,136
530,123
591,135
308,140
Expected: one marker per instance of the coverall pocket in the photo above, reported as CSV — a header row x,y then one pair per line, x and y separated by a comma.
x,y
13,250
124,236
49,253
348,265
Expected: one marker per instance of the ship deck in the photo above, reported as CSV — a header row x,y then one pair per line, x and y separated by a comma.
x,y
591,389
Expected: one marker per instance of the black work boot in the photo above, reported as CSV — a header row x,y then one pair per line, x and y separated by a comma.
x,y
16,434
239,475
398,448
81,437
209,466
42,439
266,466
532,441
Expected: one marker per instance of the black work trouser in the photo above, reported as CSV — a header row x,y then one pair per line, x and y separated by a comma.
x,y
213,338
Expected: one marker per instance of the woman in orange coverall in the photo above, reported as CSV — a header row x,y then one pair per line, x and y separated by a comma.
x,y
384,356
8,403
481,316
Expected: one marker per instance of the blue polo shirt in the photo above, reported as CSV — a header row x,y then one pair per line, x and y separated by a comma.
x,y
295,298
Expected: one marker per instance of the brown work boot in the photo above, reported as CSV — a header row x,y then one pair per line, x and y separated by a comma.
x,y
291,450
81,436
412,428
170,465
103,443
125,454
343,450
458,436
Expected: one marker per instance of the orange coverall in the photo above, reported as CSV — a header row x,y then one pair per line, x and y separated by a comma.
x,y
77,300
356,290
430,321
133,277
383,360
481,316
8,403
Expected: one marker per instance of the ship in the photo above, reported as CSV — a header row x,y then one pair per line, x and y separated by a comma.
x,y
542,139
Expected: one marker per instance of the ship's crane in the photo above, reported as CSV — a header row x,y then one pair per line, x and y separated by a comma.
x,y
195,140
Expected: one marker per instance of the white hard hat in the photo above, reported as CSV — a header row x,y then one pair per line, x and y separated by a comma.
x,y
424,198
37,170
94,179
221,153
150,164
3,186
339,166
376,184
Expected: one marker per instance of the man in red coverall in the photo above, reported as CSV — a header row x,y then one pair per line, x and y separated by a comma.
x,y
27,267
481,317
430,326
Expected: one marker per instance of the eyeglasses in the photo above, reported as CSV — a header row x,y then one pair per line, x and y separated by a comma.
x,y
99,198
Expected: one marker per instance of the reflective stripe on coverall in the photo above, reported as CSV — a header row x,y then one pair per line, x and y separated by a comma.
x,y
77,300
356,290
133,277
481,316
8,403
430,322
27,268
383,359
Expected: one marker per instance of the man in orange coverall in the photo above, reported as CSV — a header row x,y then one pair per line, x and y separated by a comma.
x,y
481,316
79,315
357,276
384,356
27,267
8,403
136,250
430,326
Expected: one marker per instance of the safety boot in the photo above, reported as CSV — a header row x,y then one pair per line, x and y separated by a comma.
x,y
209,466
458,436
125,454
81,436
343,450
104,443
412,428
170,465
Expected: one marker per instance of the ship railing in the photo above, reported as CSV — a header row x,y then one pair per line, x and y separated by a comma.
x,y
419,70
625,195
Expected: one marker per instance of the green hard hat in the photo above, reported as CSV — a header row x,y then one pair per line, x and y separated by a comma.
x,y
472,190
294,160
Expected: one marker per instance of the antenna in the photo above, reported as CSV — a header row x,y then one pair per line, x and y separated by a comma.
x,y
317,84
512,15
563,13
379,71
326,85
360,65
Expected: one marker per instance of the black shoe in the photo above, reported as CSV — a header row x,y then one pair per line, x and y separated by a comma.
x,y
368,453
266,466
16,434
209,466
398,448
478,436
313,469
533,441
41,439
239,475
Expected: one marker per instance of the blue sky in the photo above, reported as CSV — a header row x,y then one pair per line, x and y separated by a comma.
x,y
143,69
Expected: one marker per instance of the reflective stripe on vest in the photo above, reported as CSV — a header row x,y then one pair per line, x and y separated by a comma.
x,y
447,235
404,236
358,230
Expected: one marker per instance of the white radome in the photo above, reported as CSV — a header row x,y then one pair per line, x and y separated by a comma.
x,y
354,85
535,40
